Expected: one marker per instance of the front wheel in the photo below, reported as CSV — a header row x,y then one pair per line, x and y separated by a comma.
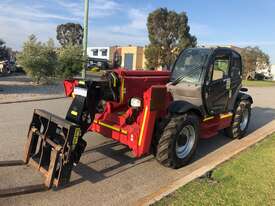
x,y
178,141
240,120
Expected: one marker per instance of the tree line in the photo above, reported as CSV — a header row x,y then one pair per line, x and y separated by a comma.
x,y
5,52
254,61
44,61
169,34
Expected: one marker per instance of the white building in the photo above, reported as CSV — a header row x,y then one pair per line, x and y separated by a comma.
x,y
99,52
273,71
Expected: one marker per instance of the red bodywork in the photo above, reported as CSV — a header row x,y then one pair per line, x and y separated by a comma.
x,y
150,86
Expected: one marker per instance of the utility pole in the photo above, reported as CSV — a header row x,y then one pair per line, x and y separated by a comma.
x,y
85,39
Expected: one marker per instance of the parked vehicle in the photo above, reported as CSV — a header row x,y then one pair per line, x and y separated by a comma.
x,y
159,112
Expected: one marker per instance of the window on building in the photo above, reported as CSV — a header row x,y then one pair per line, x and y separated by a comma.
x,y
104,52
95,52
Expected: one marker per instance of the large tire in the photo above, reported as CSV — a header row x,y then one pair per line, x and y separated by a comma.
x,y
240,120
180,131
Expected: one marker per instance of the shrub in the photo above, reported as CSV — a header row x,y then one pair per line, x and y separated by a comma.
x,y
38,59
70,61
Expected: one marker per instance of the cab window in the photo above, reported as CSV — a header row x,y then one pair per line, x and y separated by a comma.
x,y
236,66
221,67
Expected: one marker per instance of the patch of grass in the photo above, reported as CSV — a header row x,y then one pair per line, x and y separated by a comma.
x,y
255,83
248,179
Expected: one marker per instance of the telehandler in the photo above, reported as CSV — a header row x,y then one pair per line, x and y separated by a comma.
x,y
159,112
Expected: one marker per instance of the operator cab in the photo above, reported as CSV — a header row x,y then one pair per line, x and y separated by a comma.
x,y
209,78
189,66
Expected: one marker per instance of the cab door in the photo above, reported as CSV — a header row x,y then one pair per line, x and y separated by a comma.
x,y
236,79
218,85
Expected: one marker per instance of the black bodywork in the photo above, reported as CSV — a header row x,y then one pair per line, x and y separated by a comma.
x,y
216,95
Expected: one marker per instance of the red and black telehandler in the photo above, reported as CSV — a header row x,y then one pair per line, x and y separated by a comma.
x,y
159,112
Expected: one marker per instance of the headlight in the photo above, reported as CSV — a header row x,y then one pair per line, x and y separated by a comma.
x,y
135,102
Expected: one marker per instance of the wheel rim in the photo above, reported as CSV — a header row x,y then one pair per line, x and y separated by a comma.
x,y
185,141
244,120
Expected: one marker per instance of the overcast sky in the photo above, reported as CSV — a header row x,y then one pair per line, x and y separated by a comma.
x,y
123,22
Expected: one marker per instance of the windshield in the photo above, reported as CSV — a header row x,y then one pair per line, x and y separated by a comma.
x,y
189,65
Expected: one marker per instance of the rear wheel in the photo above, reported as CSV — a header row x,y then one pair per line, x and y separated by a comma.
x,y
240,120
178,141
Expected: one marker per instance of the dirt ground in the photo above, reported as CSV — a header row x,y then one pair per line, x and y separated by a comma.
x,y
20,88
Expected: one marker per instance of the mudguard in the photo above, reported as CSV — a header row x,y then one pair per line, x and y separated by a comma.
x,y
180,107
244,96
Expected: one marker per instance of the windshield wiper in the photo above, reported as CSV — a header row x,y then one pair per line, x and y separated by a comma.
x,y
181,77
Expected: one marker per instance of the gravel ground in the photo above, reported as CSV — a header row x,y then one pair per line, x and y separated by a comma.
x,y
21,88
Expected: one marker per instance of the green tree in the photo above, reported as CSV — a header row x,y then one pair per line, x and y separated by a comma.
x,y
70,61
254,60
169,33
38,59
4,51
69,33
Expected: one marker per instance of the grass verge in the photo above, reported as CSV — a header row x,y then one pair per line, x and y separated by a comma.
x,y
248,179
254,83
